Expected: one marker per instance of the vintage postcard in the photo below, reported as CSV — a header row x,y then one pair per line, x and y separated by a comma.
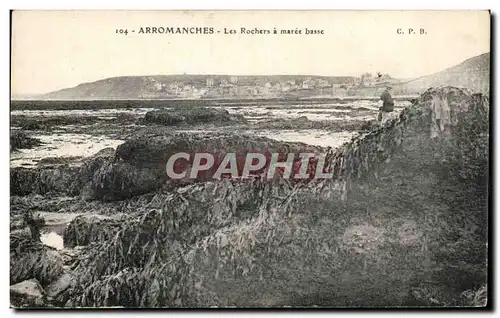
x,y
235,159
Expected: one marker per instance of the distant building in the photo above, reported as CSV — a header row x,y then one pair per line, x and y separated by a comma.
x,y
278,87
233,79
308,83
339,89
210,82
322,83
286,87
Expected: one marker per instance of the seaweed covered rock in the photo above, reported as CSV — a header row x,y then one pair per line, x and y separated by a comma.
x,y
28,293
400,227
84,230
157,150
139,165
22,181
165,117
121,180
58,178
49,123
191,116
19,139
59,285
391,225
304,123
159,237
30,259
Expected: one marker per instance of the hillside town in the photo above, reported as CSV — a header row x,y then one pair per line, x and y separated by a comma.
x,y
241,86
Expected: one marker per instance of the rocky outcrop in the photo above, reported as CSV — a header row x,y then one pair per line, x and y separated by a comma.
x,y
31,294
59,285
137,167
390,224
402,222
396,180
64,179
48,124
191,116
304,123
58,178
30,259
84,230
140,164
19,139
27,293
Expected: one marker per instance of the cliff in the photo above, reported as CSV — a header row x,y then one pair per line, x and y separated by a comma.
x,y
473,74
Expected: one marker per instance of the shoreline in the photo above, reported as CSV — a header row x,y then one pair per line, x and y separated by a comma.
x,y
232,98
161,103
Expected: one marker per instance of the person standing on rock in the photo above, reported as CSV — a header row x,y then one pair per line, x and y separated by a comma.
x,y
387,105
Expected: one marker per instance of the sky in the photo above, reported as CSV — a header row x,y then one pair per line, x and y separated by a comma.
x,y
52,50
